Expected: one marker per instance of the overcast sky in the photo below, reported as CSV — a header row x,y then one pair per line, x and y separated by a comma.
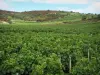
x,y
83,6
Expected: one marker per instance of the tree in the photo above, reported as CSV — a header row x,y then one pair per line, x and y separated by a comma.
x,y
9,19
98,16
84,17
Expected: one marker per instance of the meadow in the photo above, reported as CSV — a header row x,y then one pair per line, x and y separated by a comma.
x,y
50,48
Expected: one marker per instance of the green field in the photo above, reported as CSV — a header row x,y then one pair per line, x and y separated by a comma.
x,y
50,48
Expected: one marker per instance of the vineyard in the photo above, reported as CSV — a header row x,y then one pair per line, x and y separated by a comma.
x,y
50,49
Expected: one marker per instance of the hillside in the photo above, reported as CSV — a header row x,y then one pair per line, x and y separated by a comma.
x,y
40,15
46,15
49,42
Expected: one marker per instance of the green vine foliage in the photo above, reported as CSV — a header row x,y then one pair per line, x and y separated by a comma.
x,y
36,50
